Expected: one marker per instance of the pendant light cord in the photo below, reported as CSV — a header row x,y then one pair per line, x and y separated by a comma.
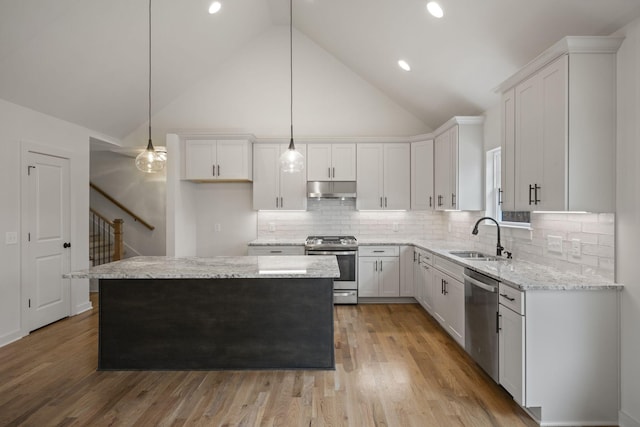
x,y
291,146
150,145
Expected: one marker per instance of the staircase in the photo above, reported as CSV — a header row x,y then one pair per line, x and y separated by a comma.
x,y
105,239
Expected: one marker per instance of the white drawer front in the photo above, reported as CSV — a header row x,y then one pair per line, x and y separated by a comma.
x,y
451,268
512,298
275,250
378,251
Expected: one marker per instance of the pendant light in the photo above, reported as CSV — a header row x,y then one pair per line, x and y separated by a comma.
x,y
150,160
291,161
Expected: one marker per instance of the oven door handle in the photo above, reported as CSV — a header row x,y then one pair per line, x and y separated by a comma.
x,y
331,253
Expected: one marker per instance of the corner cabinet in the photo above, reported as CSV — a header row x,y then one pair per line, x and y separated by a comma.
x,y
331,162
559,129
422,175
383,176
272,188
458,165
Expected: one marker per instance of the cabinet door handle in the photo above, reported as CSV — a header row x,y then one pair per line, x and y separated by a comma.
x,y
334,172
530,190
414,256
376,266
445,287
380,265
536,187
453,200
380,201
507,297
66,245
499,196
442,286
218,170
213,170
430,197
329,172
498,326
276,202
281,202
439,200
385,201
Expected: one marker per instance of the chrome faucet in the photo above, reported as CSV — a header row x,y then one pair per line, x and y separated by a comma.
x,y
499,247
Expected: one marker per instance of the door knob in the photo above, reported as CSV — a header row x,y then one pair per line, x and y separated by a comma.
x,y
66,245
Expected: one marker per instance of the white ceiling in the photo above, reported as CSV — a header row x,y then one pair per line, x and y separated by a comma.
x,y
85,61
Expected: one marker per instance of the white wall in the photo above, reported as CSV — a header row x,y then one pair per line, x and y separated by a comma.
x,y
142,193
628,220
18,125
250,94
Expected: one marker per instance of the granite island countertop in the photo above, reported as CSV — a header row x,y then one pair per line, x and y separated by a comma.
x,y
222,267
520,274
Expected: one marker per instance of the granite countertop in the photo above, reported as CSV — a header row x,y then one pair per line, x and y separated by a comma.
x,y
517,273
232,267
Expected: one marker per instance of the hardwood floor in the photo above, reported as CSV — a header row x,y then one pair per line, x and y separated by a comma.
x,y
394,367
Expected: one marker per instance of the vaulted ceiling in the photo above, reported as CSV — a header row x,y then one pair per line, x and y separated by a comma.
x,y
85,61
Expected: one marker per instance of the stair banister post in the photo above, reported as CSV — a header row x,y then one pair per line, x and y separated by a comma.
x,y
118,244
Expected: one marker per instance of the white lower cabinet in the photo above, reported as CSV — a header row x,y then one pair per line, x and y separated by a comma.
x,y
511,349
559,353
407,278
378,271
447,293
423,279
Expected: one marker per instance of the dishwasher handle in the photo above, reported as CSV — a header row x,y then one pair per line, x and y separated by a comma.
x,y
479,284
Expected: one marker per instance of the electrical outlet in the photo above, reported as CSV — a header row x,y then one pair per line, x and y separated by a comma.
x,y
11,237
272,227
576,248
217,227
554,244
395,226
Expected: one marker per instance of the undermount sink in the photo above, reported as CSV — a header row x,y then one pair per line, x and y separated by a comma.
x,y
474,255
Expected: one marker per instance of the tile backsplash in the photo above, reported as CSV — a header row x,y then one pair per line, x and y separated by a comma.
x,y
595,232
341,217
592,233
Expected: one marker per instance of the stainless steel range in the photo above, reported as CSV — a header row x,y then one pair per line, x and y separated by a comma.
x,y
345,248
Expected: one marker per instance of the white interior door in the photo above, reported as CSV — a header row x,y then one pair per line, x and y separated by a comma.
x,y
48,225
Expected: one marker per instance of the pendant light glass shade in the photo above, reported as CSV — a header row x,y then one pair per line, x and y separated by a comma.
x,y
291,161
150,160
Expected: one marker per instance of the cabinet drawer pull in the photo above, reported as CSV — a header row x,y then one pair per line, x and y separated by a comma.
x,y
378,251
275,252
507,297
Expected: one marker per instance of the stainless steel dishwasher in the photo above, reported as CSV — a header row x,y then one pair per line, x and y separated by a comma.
x,y
481,320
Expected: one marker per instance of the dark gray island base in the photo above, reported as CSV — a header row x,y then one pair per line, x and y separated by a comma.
x,y
235,312
209,324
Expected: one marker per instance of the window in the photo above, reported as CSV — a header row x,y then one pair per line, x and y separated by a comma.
x,y
494,196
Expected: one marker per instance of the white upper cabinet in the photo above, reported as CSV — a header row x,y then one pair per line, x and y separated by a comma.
x,y
458,165
272,188
383,176
331,162
422,175
218,160
559,129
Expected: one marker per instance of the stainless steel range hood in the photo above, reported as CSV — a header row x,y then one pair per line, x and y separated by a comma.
x,y
331,189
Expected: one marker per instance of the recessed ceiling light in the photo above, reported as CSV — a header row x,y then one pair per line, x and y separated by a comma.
x,y
435,9
215,7
404,65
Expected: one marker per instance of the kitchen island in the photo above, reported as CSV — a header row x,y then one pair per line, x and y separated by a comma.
x,y
163,313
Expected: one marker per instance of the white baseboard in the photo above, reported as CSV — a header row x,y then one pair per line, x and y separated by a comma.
x,y
86,306
10,337
626,420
